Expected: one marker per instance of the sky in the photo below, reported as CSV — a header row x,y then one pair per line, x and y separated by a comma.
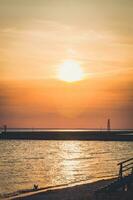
x,y
37,36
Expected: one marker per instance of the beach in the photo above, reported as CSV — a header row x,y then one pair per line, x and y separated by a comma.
x,y
79,192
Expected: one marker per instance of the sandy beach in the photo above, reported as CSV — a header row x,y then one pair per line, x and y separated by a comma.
x,y
79,192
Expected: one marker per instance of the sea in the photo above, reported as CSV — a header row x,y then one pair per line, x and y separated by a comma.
x,y
52,164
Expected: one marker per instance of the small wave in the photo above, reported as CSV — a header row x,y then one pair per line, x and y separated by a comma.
x,y
84,158
34,158
104,152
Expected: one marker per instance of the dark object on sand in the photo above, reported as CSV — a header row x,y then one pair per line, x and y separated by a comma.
x,y
35,187
123,186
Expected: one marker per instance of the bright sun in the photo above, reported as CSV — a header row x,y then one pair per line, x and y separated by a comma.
x,y
70,71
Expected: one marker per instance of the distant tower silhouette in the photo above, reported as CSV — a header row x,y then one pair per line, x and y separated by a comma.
x,y
5,128
108,125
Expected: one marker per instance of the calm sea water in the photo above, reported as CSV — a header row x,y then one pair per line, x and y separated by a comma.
x,y
53,163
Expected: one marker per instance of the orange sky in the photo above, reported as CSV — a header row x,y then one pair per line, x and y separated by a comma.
x,y
53,103
37,36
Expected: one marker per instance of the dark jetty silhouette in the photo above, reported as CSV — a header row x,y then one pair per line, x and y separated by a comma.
x,y
105,135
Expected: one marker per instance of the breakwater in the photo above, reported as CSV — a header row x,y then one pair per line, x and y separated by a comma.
x,y
69,135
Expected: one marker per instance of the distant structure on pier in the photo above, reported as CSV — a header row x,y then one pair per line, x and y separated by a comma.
x,y
5,128
108,125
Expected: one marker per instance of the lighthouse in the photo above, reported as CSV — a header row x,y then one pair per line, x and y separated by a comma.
x,y
108,125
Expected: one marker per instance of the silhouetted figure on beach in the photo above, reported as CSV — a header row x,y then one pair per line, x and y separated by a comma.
x,y
35,187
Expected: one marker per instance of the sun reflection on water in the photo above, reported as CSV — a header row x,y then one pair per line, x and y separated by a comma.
x,y
53,163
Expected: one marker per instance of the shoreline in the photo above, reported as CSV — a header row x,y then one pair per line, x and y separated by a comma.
x,y
79,191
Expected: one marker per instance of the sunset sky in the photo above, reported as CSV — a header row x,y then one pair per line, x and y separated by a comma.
x,y
39,37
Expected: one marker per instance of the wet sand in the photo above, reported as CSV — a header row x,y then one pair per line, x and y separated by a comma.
x,y
79,192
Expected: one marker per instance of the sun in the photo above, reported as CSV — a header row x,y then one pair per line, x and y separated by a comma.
x,y
70,71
